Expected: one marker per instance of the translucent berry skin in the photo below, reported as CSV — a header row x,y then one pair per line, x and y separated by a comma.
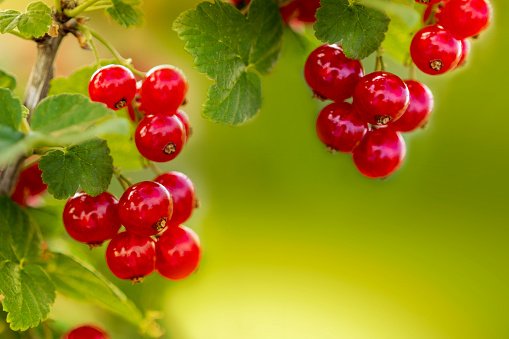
x,y
466,18
178,253
29,185
160,137
339,127
113,85
86,332
92,220
184,119
465,51
419,110
435,50
165,87
332,75
183,194
380,154
381,98
145,208
130,256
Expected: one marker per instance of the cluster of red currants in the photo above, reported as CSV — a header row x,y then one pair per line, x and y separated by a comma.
x,y
444,45
86,332
147,209
296,12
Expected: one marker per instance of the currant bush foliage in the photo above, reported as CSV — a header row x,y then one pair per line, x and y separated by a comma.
x,y
35,21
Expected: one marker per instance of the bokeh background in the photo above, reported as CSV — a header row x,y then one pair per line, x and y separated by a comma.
x,y
297,244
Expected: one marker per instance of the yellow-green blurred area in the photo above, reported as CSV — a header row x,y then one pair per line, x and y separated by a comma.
x,y
297,244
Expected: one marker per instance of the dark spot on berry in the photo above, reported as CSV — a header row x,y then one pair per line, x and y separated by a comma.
x,y
170,148
121,103
318,96
160,225
436,65
93,245
383,119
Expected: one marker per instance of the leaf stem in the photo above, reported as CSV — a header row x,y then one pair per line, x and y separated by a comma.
x,y
412,71
71,13
379,65
58,6
25,127
124,182
97,60
157,171
96,8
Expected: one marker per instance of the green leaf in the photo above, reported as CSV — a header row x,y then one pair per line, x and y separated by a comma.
x,y
124,152
8,137
63,111
34,22
125,13
360,30
77,82
404,10
81,282
25,289
232,50
87,165
7,80
10,109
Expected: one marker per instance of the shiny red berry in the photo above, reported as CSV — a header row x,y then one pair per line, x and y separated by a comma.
x,y
29,186
178,253
145,208
183,194
434,50
419,110
160,137
466,18
332,75
380,154
86,332
339,127
380,98
465,51
184,119
289,11
164,89
92,220
113,85
307,10
130,256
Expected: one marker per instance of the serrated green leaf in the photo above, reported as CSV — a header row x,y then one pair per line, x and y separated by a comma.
x,y
49,218
232,49
7,80
67,110
360,30
34,22
25,288
8,137
10,109
403,10
28,294
125,13
77,280
88,166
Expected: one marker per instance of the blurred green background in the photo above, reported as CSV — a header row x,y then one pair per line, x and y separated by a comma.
x,y
297,244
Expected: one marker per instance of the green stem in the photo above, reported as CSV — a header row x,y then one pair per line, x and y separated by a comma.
x,y
379,65
157,171
412,71
31,161
58,6
19,35
124,182
96,8
71,13
97,60
25,127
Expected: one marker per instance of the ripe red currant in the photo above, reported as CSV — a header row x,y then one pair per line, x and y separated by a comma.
x,y
419,110
339,127
86,332
183,194
330,74
29,186
92,220
307,10
184,119
113,85
466,18
145,208
465,51
160,137
380,154
164,88
380,98
434,50
178,253
130,256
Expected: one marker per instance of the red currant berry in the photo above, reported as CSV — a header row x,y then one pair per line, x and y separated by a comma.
x,y
160,137
92,220
330,74
380,154
434,50
178,253
86,332
29,186
164,88
339,127
380,98
466,18
130,256
182,193
184,119
289,12
307,10
465,51
145,208
419,110
436,12
113,85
